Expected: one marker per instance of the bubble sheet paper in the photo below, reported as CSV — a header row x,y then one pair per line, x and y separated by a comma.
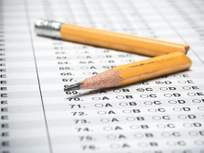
x,y
164,115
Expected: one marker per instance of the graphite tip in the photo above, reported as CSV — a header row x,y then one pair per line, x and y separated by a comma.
x,y
75,86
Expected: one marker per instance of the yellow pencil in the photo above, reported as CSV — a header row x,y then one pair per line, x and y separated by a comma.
x,y
135,72
170,58
107,39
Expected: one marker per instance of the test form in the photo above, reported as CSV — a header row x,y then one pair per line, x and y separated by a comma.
x,y
163,115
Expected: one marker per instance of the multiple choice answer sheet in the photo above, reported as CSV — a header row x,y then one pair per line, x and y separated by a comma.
x,y
164,115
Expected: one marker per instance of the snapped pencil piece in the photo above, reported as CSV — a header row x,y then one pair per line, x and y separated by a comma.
x,y
107,39
138,71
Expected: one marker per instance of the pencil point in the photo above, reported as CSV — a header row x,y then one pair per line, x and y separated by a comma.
x,y
187,47
75,86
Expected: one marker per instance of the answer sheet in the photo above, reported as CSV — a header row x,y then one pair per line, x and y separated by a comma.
x,y
164,115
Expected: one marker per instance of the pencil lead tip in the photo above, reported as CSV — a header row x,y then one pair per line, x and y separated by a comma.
x,y
75,86
187,47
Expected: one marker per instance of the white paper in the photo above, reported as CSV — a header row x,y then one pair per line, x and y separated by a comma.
x,y
164,115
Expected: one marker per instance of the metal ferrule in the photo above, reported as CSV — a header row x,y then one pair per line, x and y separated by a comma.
x,y
48,28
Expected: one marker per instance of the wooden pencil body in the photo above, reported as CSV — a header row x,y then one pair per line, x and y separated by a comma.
x,y
118,41
154,67
139,71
